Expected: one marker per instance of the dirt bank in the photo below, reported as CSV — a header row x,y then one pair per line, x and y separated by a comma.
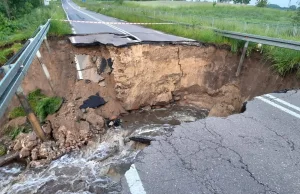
x,y
199,75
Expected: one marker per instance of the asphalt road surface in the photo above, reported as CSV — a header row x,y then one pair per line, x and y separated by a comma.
x,y
107,32
257,151
253,152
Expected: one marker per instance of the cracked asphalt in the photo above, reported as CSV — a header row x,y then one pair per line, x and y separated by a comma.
x,y
253,152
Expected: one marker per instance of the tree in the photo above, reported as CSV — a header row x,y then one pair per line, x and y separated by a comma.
x,y
261,3
5,5
297,16
293,7
242,1
17,8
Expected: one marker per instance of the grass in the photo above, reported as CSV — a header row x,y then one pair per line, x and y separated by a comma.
x,y
5,53
196,20
15,131
41,104
16,31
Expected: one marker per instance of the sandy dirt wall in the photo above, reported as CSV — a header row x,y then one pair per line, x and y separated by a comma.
x,y
142,75
153,74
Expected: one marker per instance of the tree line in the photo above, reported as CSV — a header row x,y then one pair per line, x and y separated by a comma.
x,y
13,9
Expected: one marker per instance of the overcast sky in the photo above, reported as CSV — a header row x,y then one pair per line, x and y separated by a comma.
x,y
282,3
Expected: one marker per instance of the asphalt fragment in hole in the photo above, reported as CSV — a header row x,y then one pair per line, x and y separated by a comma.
x,y
93,101
142,139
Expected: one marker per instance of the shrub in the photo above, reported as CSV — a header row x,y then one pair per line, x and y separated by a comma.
x,y
41,104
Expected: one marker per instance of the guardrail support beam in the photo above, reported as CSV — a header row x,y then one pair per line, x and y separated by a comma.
x,y
242,59
47,44
30,115
45,70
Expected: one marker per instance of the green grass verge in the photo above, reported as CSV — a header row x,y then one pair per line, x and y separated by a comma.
x,y
16,31
5,53
41,104
285,61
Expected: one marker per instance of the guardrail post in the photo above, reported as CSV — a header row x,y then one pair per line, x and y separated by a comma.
x,y
45,70
47,44
242,59
30,115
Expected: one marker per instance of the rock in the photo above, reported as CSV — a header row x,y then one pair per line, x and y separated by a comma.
x,y
18,141
24,152
3,150
94,119
71,104
26,143
71,138
221,110
94,59
102,83
34,154
60,135
47,128
39,163
84,129
31,136
163,99
146,108
47,150
101,78
177,98
83,110
110,124
114,117
17,146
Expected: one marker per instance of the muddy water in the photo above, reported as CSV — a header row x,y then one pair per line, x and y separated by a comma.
x,y
99,166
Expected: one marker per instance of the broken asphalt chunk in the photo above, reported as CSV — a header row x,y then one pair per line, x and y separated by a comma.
x,y
93,101
142,139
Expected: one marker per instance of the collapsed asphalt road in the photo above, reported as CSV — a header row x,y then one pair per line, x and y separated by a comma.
x,y
110,33
253,152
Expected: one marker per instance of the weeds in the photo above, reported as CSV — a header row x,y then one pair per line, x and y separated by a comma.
x,y
15,131
41,104
12,31
6,53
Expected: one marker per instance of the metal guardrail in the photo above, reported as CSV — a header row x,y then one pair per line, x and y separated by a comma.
x,y
261,39
16,68
257,39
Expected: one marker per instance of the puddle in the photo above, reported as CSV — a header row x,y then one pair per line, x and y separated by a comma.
x,y
98,167
160,121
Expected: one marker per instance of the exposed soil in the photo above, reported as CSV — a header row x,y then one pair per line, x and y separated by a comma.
x,y
141,76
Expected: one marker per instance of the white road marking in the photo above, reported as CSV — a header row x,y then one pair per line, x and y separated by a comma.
x,y
73,30
114,27
279,107
134,182
65,11
283,102
80,76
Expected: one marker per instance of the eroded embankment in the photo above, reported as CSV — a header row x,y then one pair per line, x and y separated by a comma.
x,y
147,77
203,76
134,77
